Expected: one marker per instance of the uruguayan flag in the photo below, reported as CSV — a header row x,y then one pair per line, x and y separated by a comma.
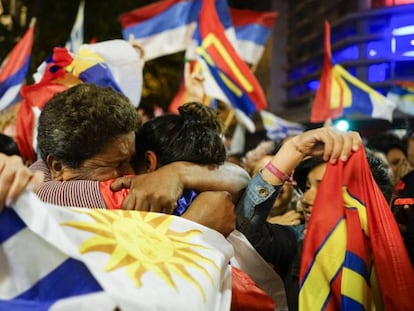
x,y
55,258
278,128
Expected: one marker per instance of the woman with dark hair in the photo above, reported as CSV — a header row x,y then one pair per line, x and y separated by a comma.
x,y
194,135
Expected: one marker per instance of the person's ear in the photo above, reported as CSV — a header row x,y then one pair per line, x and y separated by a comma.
x,y
55,167
150,161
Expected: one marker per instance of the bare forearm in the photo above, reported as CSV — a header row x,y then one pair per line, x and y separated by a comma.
x,y
286,160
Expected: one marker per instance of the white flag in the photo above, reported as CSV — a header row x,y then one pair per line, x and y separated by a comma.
x,y
67,258
76,35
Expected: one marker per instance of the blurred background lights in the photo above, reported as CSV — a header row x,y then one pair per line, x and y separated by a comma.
x,y
342,125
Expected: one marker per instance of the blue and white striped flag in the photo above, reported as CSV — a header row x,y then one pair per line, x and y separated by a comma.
x,y
55,258
278,128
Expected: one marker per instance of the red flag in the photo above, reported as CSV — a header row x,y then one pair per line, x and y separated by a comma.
x,y
342,94
15,67
231,74
321,110
354,257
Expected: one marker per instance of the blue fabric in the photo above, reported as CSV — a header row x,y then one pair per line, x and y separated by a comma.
x,y
184,202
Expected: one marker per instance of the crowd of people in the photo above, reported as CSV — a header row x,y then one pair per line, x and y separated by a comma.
x,y
93,139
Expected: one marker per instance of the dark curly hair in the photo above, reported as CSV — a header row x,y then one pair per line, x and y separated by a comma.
x,y
78,123
194,136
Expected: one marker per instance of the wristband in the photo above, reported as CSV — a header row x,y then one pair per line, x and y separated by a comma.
x,y
278,173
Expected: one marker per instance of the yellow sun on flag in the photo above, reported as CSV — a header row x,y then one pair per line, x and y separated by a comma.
x,y
143,242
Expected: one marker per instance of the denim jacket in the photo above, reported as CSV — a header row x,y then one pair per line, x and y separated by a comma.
x,y
256,202
275,243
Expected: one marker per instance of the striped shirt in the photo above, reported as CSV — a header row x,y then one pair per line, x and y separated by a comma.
x,y
76,193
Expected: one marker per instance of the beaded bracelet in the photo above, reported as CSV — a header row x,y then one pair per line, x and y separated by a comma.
x,y
278,173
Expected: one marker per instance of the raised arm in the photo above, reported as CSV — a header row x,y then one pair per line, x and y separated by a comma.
x,y
253,208
274,242
328,142
160,190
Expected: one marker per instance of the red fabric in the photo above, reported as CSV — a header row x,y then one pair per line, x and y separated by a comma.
x,y
246,295
54,80
383,246
321,110
241,17
141,14
113,200
33,96
18,56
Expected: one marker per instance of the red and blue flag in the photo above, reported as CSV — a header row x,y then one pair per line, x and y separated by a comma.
x,y
253,30
163,27
235,82
354,257
14,69
341,94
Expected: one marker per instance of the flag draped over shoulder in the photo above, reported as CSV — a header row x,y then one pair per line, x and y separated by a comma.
x,y
233,82
341,94
252,30
163,27
14,69
76,36
124,259
353,256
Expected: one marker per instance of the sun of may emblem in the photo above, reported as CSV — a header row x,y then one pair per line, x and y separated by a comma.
x,y
143,242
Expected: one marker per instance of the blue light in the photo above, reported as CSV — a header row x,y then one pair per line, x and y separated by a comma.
x,y
349,53
378,73
313,85
342,125
378,49
403,31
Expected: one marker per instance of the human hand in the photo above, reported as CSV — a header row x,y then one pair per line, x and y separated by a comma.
x,y
290,218
157,191
194,84
329,142
15,177
213,209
